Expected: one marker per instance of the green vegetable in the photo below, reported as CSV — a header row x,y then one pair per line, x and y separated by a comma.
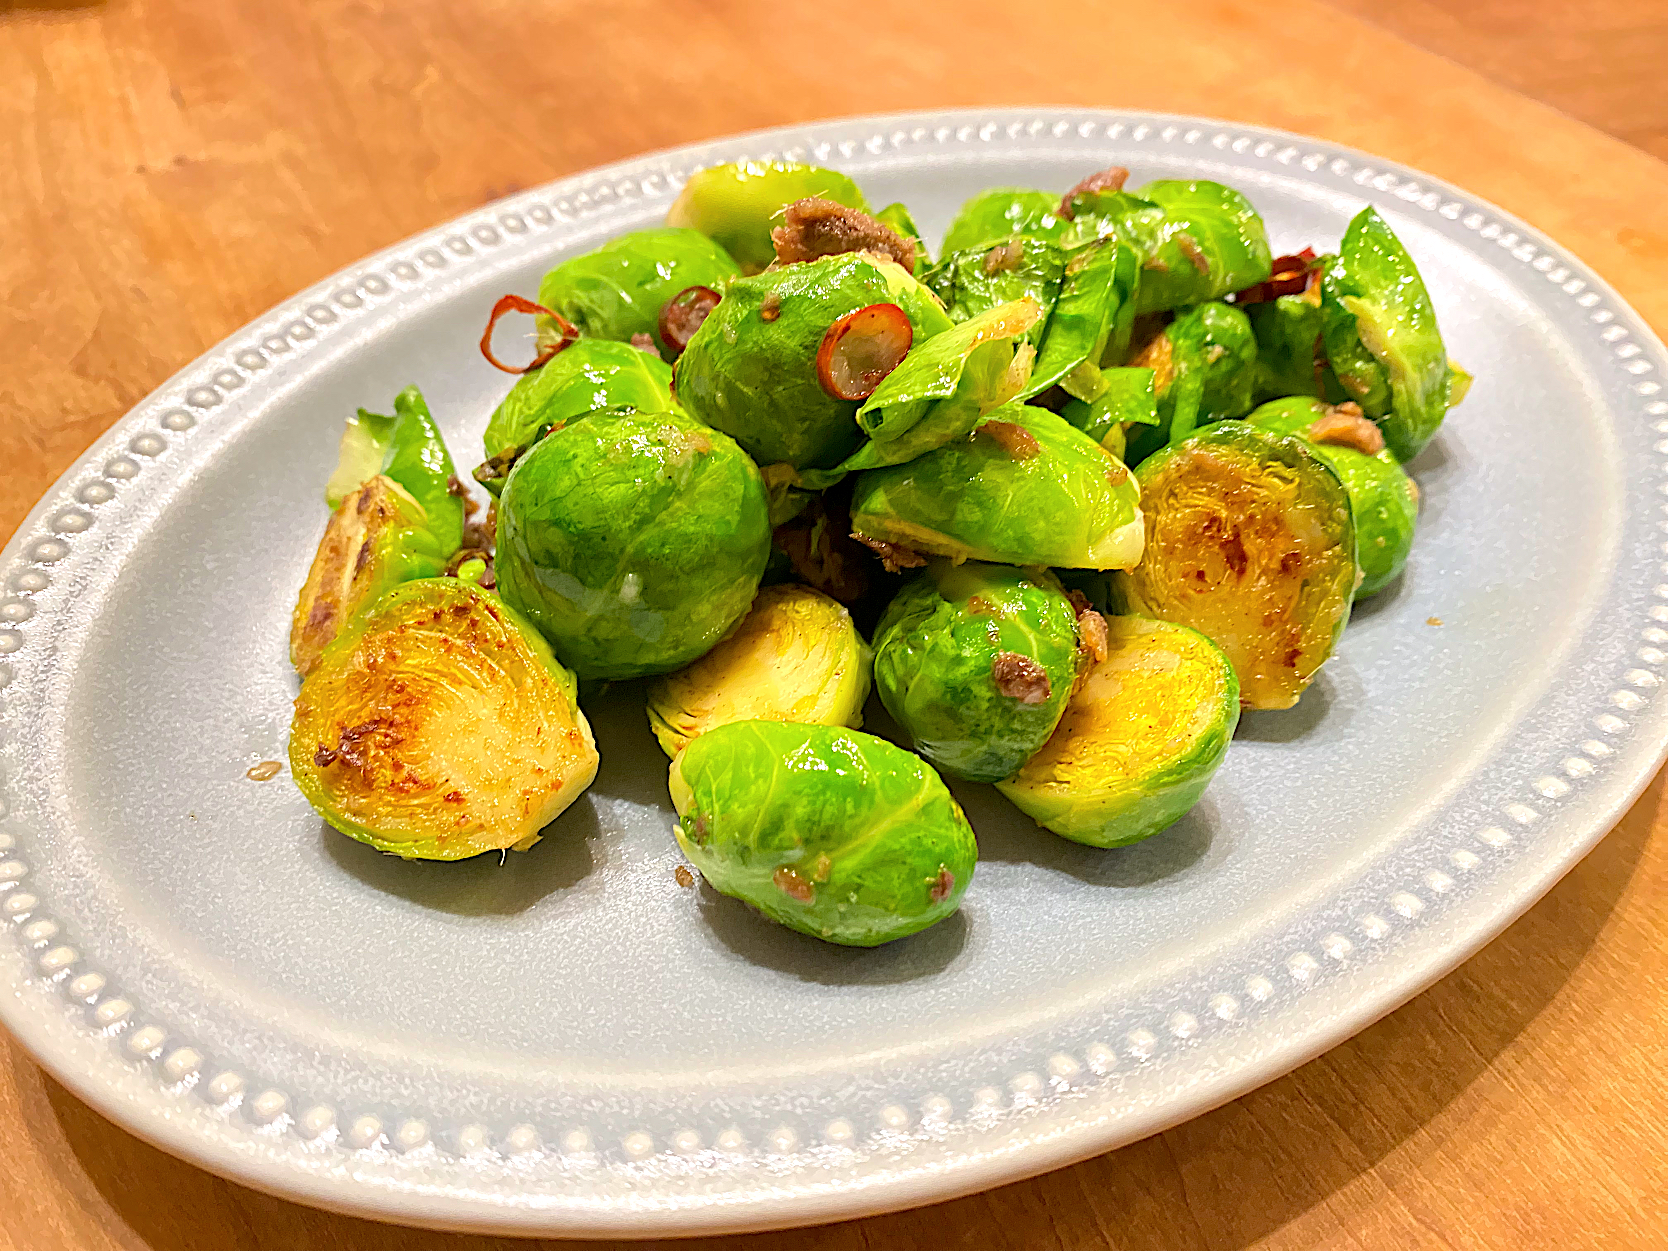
x,y
1249,541
1139,741
976,663
1000,213
796,656
975,280
439,726
1067,503
407,448
826,830
378,538
1205,364
633,541
1126,396
1382,499
618,290
944,387
733,204
1289,352
587,375
751,369
1095,299
898,218
1381,335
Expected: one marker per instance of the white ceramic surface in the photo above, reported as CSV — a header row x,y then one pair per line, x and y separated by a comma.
x,y
573,1044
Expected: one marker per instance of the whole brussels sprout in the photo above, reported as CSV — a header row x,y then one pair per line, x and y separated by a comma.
x,y
378,538
828,831
942,388
439,726
618,290
1381,335
1382,498
751,369
976,662
1197,240
1204,364
1026,489
796,656
1001,212
587,375
633,541
1250,542
1139,740
407,449
733,204
1127,396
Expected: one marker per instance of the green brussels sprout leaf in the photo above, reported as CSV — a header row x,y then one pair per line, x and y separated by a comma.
x,y
406,447
1126,396
439,726
999,214
1205,364
1098,282
795,656
975,280
976,663
826,830
1138,742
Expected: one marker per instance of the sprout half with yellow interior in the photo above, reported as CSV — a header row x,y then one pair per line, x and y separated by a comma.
x,y
1139,740
796,656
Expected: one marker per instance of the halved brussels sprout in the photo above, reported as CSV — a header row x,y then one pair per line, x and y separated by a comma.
x,y
733,204
975,280
1127,396
1204,364
1382,498
439,726
1250,542
796,656
1139,741
751,369
1381,335
1026,489
378,538
828,831
587,375
618,290
942,388
632,540
1000,213
408,449
976,662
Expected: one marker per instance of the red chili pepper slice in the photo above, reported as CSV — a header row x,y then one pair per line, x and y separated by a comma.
x,y
861,348
518,304
682,315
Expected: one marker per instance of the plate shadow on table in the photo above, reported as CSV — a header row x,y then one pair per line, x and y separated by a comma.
x,y
1291,1144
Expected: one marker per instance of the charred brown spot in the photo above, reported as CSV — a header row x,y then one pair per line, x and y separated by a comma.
x,y
1293,656
322,615
683,876
792,885
682,315
1016,441
698,832
1345,425
816,227
1234,556
1291,562
979,606
770,308
821,867
893,556
1110,179
942,885
1091,628
1189,247
1020,677
362,559
324,757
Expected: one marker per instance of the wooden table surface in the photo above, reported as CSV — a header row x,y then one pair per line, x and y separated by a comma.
x,y
169,170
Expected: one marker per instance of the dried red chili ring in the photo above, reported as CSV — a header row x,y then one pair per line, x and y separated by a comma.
x,y
682,315
519,304
861,348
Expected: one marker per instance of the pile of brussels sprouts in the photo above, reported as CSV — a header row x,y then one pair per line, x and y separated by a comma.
x,y
1101,475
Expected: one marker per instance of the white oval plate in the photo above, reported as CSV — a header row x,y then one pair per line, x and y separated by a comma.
x,y
572,1044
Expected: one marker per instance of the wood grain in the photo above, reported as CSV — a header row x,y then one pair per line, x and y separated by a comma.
x,y
169,170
